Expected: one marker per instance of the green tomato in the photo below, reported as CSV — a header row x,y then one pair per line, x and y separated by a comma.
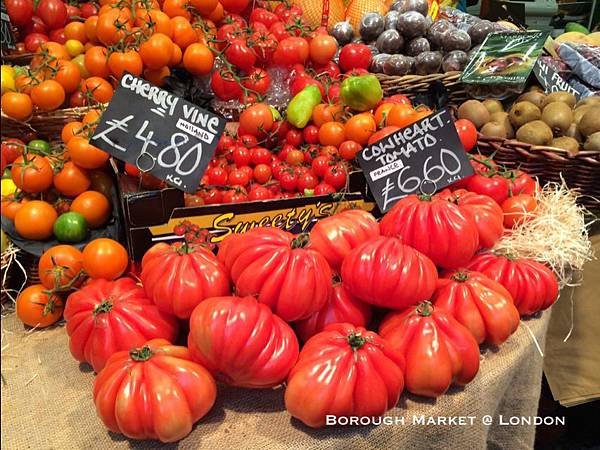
x,y
39,146
70,227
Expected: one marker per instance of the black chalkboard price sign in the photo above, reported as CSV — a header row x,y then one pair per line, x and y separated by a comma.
x,y
552,81
421,158
159,133
8,40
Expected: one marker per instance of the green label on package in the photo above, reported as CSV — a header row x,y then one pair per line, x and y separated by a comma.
x,y
505,58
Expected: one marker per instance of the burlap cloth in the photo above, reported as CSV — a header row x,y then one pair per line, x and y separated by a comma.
x,y
47,404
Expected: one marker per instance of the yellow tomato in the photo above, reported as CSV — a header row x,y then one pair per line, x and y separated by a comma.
x,y
8,79
8,187
74,47
79,61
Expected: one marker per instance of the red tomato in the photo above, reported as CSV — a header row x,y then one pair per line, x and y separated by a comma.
x,y
311,134
290,51
263,16
336,236
105,317
320,165
266,262
237,195
241,342
484,211
341,307
263,44
53,13
518,209
258,81
532,285
153,392
241,155
260,155
306,182
259,193
19,11
480,304
439,351
262,173
224,85
435,227
355,56
289,180
12,148
238,54
58,35
399,98
179,278
34,40
335,375
234,6
217,176
88,9
256,120
336,176
522,183
384,132
299,83
385,272
324,189
495,186
467,132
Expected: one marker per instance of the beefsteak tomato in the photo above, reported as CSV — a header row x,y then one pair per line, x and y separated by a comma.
x,y
482,305
179,277
105,317
242,342
484,211
336,236
385,272
271,264
532,285
153,392
439,351
435,227
342,307
345,371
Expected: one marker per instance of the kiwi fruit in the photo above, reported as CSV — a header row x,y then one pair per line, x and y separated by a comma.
x,y
579,112
536,97
590,121
592,143
475,111
493,106
496,129
558,116
535,88
502,118
566,143
523,112
565,97
535,132
594,100
574,133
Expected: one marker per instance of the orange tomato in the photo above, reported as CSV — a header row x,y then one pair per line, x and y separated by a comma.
x,y
360,127
32,173
205,7
198,59
10,206
127,61
59,265
155,21
175,8
48,95
76,30
183,32
85,154
112,26
92,116
96,61
17,105
94,206
35,220
24,83
70,130
49,53
332,133
68,76
72,180
38,308
100,89
177,56
401,116
381,113
157,51
218,14
90,28
105,258
324,113
157,76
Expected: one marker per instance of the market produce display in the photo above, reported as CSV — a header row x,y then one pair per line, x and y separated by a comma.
x,y
343,313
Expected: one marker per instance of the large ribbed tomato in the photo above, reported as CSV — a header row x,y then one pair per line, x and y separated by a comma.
x,y
532,285
385,272
435,227
105,317
177,278
439,351
344,371
342,307
481,304
153,392
272,265
242,342
484,211
335,236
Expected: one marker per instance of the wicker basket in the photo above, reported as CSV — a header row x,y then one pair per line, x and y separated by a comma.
x,y
412,84
47,124
18,59
580,171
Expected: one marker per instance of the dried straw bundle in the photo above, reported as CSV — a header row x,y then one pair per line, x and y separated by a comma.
x,y
555,234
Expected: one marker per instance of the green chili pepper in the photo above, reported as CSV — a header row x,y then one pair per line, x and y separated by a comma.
x,y
300,109
361,93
